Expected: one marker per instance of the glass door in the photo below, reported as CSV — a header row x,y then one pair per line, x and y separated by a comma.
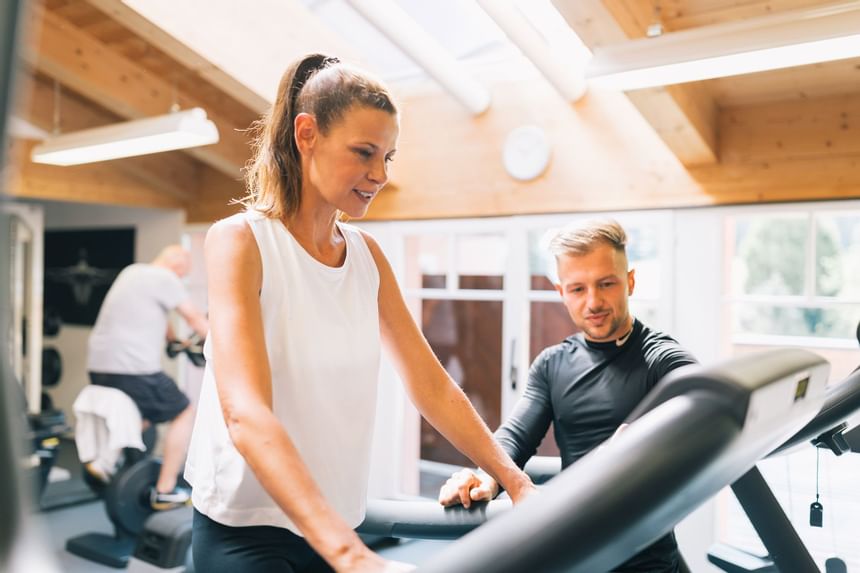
x,y
482,292
455,286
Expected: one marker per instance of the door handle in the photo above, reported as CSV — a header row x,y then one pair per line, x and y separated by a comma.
x,y
513,370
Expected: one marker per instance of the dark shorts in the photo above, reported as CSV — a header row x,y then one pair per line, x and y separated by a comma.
x,y
662,556
220,548
157,396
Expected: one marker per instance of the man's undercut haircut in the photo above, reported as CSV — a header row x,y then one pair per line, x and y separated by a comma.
x,y
582,237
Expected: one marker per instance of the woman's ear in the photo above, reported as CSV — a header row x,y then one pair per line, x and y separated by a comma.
x,y
305,130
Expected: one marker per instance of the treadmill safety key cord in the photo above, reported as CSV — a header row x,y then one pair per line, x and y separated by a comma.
x,y
816,510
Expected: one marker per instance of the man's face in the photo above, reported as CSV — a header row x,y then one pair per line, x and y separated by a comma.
x,y
594,288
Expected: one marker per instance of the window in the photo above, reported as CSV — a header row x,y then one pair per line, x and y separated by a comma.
x,y
794,275
481,261
792,479
454,283
426,261
792,278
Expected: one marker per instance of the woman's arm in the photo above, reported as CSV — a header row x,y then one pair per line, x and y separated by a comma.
x,y
433,392
244,384
519,436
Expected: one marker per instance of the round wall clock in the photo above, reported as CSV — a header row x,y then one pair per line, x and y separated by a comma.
x,y
526,152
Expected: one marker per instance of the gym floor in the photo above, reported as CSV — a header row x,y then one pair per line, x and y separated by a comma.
x,y
66,521
60,524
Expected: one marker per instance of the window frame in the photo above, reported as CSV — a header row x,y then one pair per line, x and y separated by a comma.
x,y
808,298
516,295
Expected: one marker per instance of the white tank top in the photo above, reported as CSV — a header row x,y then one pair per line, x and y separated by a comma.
x,y
321,329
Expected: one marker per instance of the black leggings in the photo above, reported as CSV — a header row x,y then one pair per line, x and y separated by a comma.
x,y
255,549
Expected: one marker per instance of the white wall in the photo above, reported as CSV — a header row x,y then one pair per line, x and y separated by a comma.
x,y
696,284
154,229
397,433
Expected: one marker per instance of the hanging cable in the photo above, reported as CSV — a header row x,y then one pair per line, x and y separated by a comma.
x,y
656,27
174,96
56,118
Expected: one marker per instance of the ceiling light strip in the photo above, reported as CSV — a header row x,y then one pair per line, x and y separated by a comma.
x,y
179,130
784,40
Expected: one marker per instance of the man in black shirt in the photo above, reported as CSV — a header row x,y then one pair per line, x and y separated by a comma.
x,y
587,385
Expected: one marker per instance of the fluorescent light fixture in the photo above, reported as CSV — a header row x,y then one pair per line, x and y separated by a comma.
x,y
783,40
396,25
568,80
178,130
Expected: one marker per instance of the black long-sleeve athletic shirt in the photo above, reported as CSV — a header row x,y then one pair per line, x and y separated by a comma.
x,y
586,390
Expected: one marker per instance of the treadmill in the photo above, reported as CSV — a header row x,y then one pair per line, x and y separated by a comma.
x,y
699,430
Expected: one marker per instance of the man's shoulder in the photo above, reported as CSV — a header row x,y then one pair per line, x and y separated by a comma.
x,y
652,336
135,273
658,345
148,277
147,268
156,271
556,351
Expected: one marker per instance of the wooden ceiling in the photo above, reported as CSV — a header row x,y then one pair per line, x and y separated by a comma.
x,y
111,65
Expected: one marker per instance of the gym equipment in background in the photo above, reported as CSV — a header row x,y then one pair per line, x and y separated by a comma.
x,y
126,500
192,348
26,223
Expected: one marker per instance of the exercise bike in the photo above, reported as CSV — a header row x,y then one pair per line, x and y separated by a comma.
x,y
126,501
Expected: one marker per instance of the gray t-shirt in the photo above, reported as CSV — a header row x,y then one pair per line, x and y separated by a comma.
x,y
129,334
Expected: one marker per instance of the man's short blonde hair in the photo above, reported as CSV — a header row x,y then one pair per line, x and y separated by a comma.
x,y
582,237
176,258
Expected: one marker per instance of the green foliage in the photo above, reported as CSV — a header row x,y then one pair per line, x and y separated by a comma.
x,y
773,254
773,250
828,260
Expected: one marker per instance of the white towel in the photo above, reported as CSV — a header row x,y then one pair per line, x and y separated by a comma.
x,y
107,421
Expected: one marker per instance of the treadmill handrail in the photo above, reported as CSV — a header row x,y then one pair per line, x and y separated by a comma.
x,y
840,403
616,500
427,519
577,523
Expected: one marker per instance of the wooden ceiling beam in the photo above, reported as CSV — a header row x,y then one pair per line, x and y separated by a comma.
x,y
792,130
120,12
79,61
682,16
685,116
217,32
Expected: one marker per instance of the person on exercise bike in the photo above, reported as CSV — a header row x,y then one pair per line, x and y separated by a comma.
x,y
125,353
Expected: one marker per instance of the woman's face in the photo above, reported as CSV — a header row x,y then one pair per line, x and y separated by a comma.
x,y
348,165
